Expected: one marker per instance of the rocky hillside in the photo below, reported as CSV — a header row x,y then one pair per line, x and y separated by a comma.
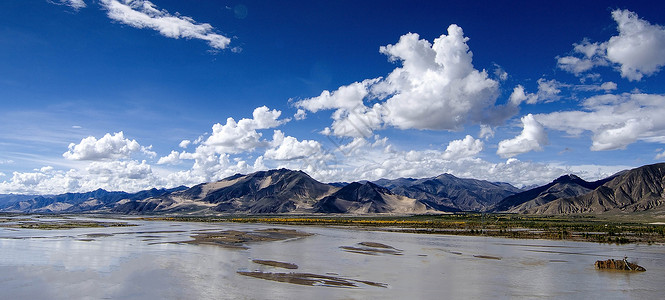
x,y
274,191
563,187
98,200
449,193
362,198
640,189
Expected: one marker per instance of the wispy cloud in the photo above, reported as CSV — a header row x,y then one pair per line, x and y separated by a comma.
x,y
75,4
144,14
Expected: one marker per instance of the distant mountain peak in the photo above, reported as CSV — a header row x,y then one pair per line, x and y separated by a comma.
x,y
568,177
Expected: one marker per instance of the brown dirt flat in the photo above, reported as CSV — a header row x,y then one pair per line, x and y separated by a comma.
x,y
311,279
372,248
277,264
237,239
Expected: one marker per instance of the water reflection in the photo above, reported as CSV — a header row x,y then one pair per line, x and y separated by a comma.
x,y
146,262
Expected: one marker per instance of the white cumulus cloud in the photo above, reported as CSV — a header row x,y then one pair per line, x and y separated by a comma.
x,y
436,87
289,148
172,159
301,114
639,46
548,91
346,97
114,146
467,147
184,143
637,51
616,121
236,137
532,138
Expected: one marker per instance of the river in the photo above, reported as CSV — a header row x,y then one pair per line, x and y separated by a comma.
x,y
146,262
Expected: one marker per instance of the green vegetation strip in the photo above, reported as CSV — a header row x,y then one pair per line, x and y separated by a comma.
x,y
54,225
589,228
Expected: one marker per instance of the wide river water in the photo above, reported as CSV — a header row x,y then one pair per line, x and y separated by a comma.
x,y
141,262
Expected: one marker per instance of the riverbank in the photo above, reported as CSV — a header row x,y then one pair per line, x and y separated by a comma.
x,y
588,228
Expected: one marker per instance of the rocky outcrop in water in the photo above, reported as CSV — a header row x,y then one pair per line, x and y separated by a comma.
x,y
615,264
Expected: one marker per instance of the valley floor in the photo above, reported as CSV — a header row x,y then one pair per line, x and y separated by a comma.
x,y
618,229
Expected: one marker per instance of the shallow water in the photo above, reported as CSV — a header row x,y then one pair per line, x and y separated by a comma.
x,y
140,262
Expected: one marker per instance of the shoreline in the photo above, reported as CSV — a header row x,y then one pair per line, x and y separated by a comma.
x,y
572,228
584,228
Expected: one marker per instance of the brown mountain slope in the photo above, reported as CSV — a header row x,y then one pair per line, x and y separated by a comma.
x,y
362,198
273,191
639,189
566,186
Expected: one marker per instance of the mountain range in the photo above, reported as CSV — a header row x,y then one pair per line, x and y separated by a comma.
x,y
97,200
285,191
636,190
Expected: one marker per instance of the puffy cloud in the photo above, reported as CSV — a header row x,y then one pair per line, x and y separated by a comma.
x,y
144,14
211,166
346,97
467,147
289,148
548,91
486,132
358,122
532,138
130,176
233,137
212,157
264,118
241,136
608,86
111,168
114,146
618,136
436,87
184,143
28,178
380,160
172,159
639,46
615,120
120,169
593,54
637,50
301,114
519,95
574,64
500,73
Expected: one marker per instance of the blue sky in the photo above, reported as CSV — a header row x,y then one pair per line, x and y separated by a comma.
x,y
128,95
